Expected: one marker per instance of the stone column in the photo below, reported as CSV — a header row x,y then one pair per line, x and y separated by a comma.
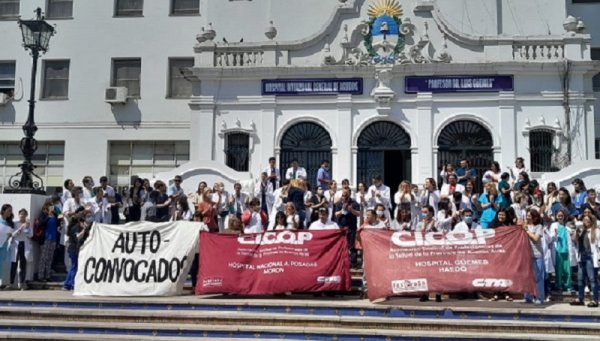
x,y
424,161
267,131
509,129
343,167
203,135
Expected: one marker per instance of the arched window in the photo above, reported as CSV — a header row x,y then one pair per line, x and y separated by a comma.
x,y
469,140
310,144
384,149
541,150
237,151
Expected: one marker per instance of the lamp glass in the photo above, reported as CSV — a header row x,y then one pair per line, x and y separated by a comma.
x,y
36,34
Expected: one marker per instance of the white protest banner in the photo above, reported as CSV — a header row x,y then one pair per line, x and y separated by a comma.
x,y
136,259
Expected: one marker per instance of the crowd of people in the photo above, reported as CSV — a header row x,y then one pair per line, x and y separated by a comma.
x,y
561,226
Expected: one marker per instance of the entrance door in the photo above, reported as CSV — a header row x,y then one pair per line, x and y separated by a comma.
x,y
310,144
466,140
384,149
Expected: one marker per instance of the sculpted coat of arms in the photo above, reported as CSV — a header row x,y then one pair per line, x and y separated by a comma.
x,y
383,39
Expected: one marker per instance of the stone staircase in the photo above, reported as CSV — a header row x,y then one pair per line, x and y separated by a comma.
x,y
50,315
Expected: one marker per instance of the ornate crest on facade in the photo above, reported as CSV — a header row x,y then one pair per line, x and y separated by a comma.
x,y
383,39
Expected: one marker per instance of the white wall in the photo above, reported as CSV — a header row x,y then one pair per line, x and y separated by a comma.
x,y
86,123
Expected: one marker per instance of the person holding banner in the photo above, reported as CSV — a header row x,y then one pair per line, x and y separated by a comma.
x,y
587,241
209,210
197,217
372,221
346,212
535,232
77,231
503,218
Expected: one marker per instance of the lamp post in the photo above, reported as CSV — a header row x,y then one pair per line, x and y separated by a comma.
x,y
36,37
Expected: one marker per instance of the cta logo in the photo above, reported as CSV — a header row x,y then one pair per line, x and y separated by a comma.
x,y
329,279
409,285
268,238
492,283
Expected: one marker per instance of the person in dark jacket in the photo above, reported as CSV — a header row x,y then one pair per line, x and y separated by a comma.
x,y
296,196
49,222
77,232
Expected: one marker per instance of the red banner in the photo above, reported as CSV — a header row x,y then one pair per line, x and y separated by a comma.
x,y
274,262
409,263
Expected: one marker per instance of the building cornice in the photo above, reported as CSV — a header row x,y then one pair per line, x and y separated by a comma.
x,y
333,71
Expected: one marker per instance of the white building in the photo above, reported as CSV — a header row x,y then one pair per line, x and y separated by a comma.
x,y
476,79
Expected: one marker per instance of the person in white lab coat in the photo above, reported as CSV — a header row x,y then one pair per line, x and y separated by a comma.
x,y
379,193
20,249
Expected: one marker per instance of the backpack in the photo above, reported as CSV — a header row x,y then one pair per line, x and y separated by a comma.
x,y
38,231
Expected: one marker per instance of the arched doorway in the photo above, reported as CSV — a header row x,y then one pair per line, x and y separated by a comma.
x,y
384,149
310,144
466,140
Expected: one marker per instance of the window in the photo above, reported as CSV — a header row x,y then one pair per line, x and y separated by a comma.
x,y
596,78
179,87
129,8
59,9
9,9
7,78
237,151
597,148
185,7
126,72
131,158
56,79
585,1
541,150
49,160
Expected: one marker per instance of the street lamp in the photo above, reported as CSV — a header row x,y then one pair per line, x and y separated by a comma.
x,y
36,37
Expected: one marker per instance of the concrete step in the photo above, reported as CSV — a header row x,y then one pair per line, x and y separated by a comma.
x,y
413,336
98,317
203,330
59,315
